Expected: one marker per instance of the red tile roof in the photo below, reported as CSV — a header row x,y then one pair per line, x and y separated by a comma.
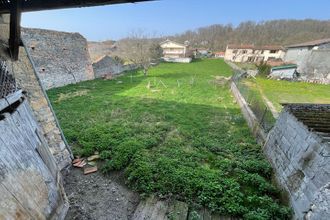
x,y
220,53
310,43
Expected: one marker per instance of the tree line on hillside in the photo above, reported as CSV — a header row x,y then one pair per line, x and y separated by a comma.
x,y
217,37
275,32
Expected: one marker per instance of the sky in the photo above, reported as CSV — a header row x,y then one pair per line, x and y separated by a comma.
x,y
168,17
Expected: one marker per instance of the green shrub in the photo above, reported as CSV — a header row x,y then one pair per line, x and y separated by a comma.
x,y
263,69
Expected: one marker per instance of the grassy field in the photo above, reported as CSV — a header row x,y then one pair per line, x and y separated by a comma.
x,y
280,91
176,133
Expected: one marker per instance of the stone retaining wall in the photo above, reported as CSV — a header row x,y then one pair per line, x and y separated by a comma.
x,y
301,160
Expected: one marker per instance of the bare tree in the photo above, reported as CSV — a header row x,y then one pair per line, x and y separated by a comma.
x,y
140,49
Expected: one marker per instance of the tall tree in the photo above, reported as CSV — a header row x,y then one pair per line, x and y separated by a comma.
x,y
140,50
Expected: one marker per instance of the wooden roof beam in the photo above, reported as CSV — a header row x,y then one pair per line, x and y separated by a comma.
x,y
15,28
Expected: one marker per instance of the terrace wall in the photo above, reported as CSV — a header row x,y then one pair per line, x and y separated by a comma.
x,y
301,160
59,58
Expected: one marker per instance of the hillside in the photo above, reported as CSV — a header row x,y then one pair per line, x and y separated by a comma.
x,y
216,37
281,32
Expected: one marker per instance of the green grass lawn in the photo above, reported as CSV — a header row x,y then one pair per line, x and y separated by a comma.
x,y
176,133
281,91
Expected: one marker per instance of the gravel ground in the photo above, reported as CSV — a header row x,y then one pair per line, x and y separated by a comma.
x,y
98,196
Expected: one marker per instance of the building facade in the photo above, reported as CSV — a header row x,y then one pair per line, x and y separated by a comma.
x,y
253,54
312,59
173,49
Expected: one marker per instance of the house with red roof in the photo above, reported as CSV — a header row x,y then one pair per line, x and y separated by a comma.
x,y
220,54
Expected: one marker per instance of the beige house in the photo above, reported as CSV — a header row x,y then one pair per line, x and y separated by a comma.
x,y
251,53
173,49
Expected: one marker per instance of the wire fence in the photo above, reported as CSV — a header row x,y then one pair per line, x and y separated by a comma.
x,y
7,81
255,101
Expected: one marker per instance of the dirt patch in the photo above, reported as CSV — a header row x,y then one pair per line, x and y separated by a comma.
x,y
98,196
69,95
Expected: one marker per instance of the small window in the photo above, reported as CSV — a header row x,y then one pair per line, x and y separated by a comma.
x,y
43,69
33,47
244,51
273,51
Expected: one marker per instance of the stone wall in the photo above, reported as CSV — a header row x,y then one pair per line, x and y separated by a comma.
x,y
107,66
301,162
313,64
59,58
27,79
317,67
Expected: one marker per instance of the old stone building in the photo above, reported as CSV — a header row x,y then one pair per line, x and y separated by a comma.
x,y
59,58
312,58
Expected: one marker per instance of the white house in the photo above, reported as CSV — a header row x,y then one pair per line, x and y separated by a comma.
x,y
251,53
175,52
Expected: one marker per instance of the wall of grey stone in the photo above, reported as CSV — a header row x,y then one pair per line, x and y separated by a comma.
x,y
301,166
313,64
28,81
60,58
108,66
317,67
297,55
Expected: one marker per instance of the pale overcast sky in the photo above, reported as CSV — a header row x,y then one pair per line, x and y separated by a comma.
x,y
166,17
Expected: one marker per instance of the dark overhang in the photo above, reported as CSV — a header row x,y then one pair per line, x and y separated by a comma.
x,y
39,5
16,7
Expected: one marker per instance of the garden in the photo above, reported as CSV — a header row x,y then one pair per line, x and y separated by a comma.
x,y
176,133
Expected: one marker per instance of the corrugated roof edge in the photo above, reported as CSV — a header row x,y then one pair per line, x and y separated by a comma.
x,y
291,66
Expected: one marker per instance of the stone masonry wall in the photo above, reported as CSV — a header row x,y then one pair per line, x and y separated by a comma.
x,y
28,81
108,66
302,166
60,58
317,67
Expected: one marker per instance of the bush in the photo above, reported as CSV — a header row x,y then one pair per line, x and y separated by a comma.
x,y
264,69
